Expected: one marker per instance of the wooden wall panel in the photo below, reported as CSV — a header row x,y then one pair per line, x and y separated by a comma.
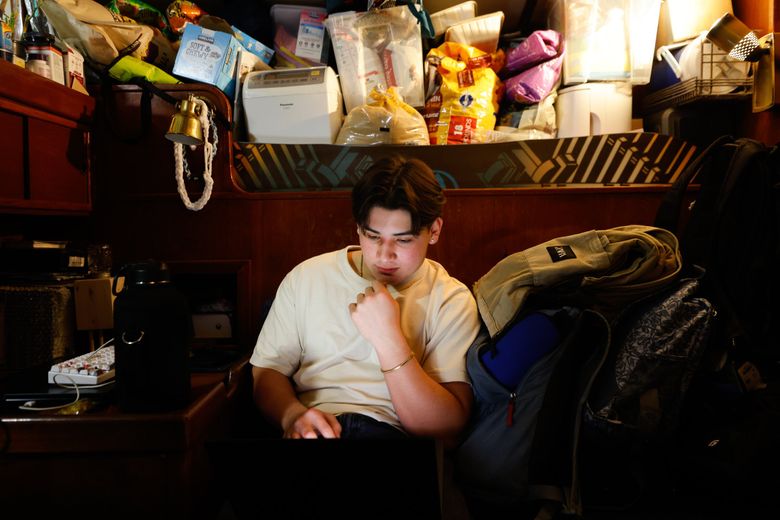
x,y
138,211
273,232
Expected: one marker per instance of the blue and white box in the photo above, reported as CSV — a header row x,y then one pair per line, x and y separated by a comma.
x,y
253,46
209,57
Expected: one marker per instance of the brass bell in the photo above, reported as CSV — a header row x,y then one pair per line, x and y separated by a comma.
x,y
185,125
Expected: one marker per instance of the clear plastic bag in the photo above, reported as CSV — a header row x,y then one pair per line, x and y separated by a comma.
x,y
379,48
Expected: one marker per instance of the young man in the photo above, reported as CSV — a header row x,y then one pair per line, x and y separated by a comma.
x,y
370,341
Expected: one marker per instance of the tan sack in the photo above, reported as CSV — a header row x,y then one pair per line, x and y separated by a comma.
x,y
102,36
385,119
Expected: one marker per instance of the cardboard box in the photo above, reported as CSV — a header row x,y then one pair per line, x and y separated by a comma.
x,y
6,40
253,46
214,57
300,39
94,303
74,69
209,57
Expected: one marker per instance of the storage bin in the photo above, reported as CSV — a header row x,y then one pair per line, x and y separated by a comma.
x,y
609,40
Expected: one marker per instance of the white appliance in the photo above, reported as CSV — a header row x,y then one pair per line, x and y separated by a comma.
x,y
594,109
293,106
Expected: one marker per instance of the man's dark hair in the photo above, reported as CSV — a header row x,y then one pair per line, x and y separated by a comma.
x,y
396,182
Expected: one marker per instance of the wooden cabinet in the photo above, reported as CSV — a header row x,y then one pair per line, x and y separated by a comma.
x,y
127,465
45,145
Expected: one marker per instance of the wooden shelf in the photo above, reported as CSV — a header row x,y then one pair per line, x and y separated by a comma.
x,y
46,145
36,93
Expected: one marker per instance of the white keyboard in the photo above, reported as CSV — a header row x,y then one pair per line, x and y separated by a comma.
x,y
91,368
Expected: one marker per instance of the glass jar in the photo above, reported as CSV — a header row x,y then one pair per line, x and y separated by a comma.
x,y
39,66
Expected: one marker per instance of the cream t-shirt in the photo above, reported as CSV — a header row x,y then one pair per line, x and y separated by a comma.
x,y
310,337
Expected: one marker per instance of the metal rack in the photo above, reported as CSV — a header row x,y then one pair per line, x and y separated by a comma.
x,y
702,87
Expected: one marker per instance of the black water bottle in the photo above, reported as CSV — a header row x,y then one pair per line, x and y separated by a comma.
x,y
152,333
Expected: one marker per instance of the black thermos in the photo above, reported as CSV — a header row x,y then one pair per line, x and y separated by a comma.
x,y
152,332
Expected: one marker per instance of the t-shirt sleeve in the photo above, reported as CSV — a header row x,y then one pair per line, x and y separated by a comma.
x,y
278,344
453,329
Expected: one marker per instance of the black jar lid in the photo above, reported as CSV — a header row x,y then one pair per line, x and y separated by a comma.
x,y
36,38
146,273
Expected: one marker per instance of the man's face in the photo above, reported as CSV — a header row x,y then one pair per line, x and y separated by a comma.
x,y
391,253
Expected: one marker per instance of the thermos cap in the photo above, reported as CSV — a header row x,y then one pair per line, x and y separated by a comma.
x,y
148,272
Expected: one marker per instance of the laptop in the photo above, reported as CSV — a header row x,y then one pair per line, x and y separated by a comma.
x,y
318,478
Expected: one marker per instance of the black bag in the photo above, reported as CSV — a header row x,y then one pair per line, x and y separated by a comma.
x,y
632,414
728,436
732,232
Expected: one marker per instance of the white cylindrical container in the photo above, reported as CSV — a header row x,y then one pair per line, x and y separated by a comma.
x,y
38,66
594,109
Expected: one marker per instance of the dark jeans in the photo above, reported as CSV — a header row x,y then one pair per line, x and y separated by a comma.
x,y
358,426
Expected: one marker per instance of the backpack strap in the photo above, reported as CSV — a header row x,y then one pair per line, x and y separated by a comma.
x,y
148,89
747,150
668,214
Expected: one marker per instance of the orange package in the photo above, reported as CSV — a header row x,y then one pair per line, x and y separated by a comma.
x,y
467,95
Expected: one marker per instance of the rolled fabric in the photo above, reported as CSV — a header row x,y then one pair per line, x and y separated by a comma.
x,y
538,47
534,84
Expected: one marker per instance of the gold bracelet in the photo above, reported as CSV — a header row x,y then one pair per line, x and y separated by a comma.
x,y
399,365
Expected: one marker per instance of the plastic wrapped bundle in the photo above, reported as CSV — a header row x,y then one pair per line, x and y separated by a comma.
x,y
536,63
386,119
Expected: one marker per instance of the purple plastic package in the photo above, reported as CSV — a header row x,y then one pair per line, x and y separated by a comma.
x,y
538,47
534,84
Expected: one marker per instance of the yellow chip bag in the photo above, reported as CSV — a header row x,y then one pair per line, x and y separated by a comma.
x,y
469,92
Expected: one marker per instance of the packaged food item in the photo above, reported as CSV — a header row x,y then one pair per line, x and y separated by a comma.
x,y
181,12
385,119
144,14
212,57
41,46
130,67
467,91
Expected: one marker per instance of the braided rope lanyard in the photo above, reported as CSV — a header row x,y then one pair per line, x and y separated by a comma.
x,y
206,118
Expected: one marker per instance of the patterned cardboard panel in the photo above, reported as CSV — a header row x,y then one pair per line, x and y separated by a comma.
x,y
613,159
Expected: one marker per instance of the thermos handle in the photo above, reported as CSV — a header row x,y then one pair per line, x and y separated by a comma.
x,y
133,342
120,273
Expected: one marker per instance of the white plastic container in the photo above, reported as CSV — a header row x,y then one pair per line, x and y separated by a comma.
x,y
594,109
448,17
609,40
481,32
